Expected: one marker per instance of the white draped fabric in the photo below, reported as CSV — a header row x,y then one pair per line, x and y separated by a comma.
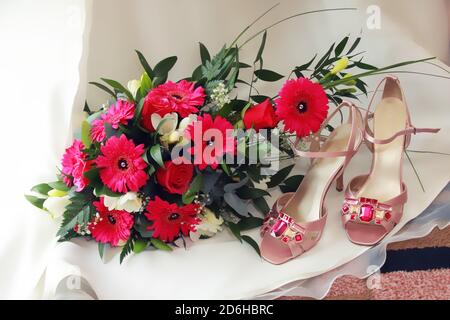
x,y
52,48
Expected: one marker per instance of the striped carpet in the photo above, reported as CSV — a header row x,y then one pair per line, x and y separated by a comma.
x,y
416,269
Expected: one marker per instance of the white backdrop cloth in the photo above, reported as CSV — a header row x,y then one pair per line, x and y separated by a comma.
x,y
55,47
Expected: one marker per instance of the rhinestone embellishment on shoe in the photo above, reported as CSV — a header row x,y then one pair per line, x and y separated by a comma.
x,y
366,210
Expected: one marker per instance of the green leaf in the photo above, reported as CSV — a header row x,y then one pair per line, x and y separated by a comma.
x,y
86,134
324,58
145,65
225,169
138,111
204,53
340,47
278,177
268,75
235,230
78,211
354,45
139,246
35,201
158,244
155,153
194,188
59,185
291,184
146,84
163,67
105,191
249,223
261,205
252,242
261,48
305,66
365,66
87,109
119,87
101,249
259,98
42,188
247,193
104,88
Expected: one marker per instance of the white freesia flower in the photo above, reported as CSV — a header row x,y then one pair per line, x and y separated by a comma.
x,y
129,202
167,126
209,225
56,203
133,86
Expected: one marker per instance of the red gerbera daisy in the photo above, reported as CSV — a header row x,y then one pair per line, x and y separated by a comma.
x,y
110,226
211,139
121,165
303,106
179,97
169,219
74,165
118,113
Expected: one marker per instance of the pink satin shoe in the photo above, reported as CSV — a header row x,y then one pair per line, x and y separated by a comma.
x,y
296,221
374,203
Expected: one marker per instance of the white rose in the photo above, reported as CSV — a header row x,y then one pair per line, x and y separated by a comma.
x,y
129,202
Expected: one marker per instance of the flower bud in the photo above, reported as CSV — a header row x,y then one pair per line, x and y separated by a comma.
x,y
341,65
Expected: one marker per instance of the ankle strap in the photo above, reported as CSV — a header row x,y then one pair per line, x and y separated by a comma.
x,y
406,132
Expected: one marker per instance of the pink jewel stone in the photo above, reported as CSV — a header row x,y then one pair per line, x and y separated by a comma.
x,y
298,237
387,215
345,208
366,213
353,217
285,239
378,221
278,228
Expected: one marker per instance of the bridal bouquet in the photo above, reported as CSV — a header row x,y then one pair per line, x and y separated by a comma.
x,y
163,161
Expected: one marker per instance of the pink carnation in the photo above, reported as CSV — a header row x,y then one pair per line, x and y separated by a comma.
x,y
118,113
74,165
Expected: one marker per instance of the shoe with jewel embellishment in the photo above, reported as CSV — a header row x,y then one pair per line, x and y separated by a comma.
x,y
374,203
296,221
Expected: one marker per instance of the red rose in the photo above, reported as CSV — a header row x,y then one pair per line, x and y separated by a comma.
x,y
261,116
175,178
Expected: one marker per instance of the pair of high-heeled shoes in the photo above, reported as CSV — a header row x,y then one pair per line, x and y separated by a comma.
x,y
373,203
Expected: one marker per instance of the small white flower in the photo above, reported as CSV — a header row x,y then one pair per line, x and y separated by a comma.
x,y
219,95
165,125
129,202
209,225
56,205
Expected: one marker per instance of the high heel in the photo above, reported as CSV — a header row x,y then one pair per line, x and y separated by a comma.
x,y
374,203
296,221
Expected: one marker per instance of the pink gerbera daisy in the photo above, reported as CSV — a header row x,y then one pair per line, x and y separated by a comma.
x,y
181,97
169,220
74,165
121,165
303,106
118,113
110,226
211,140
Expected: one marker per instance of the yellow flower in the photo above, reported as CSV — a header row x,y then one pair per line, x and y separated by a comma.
x,y
342,64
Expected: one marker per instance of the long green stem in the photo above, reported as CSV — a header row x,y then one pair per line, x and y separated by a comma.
x,y
289,18
251,24
371,72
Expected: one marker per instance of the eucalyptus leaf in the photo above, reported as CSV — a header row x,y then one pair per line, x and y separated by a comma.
x,y
158,244
145,65
42,188
236,203
204,53
139,246
251,193
35,201
261,205
235,230
119,87
59,185
268,75
278,177
194,188
163,67
155,153
249,223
